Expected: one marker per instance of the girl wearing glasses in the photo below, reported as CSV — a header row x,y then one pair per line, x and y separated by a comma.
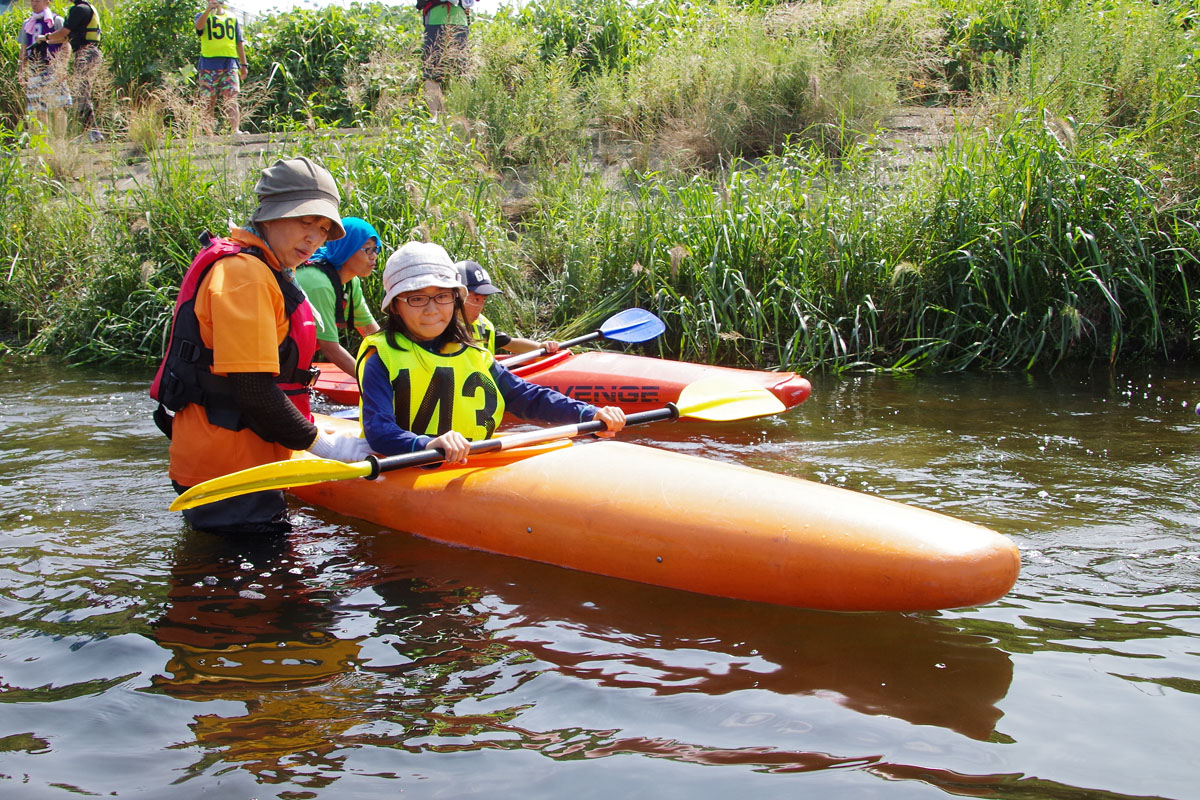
x,y
332,279
426,383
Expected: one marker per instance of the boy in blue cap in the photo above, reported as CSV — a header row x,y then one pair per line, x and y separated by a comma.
x,y
479,286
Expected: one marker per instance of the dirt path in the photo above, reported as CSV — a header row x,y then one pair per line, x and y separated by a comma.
x,y
909,135
916,132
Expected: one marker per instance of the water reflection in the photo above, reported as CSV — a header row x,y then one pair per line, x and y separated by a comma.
x,y
382,640
351,662
247,623
617,634
242,612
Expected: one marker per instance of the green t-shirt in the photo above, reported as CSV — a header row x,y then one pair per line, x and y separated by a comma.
x,y
317,286
446,14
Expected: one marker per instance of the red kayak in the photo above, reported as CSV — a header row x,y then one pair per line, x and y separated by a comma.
x,y
599,377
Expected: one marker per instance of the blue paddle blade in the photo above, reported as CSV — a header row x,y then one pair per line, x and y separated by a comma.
x,y
632,325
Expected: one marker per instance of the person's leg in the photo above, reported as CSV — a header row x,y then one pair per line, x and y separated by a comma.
x,y
58,94
58,123
434,98
455,50
234,113
87,61
35,100
431,58
231,87
253,513
206,82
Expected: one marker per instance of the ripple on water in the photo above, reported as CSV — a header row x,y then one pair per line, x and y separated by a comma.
x,y
347,660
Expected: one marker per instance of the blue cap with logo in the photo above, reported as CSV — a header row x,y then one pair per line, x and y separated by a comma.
x,y
475,278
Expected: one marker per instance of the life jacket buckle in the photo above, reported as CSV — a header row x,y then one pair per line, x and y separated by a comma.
x,y
189,352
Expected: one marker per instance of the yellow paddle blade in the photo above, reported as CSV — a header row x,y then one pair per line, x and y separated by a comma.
x,y
276,475
722,399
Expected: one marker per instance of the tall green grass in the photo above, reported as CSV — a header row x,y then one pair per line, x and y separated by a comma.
x,y
718,163
526,110
1013,250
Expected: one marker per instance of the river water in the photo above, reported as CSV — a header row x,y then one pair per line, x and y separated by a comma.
x,y
139,659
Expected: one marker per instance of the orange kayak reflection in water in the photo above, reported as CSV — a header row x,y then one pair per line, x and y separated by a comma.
x,y
914,667
264,626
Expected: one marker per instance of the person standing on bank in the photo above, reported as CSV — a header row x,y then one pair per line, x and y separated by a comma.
x,y
46,94
243,338
444,46
332,280
479,286
82,29
222,66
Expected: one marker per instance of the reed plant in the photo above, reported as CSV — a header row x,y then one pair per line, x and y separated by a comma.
x,y
1014,249
605,36
97,282
12,98
729,91
721,164
739,83
148,40
1070,258
310,57
525,110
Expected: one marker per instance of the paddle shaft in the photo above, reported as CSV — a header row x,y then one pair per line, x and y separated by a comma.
x,y
532,355
540,436
711,399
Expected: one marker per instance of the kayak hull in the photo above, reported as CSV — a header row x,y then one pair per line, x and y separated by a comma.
x,y
635,383
673,520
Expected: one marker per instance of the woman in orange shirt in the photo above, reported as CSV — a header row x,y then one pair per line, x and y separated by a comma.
x,y
244,338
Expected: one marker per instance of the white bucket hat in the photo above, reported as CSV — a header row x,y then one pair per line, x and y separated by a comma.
x,y
419,265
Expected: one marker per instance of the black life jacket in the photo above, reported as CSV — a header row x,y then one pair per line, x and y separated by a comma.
x,y
185,374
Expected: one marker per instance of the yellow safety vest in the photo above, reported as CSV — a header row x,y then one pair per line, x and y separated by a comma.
x,y
219,38
485,332
92,32
438,392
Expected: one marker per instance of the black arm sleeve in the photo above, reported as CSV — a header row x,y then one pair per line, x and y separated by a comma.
x,y
268,411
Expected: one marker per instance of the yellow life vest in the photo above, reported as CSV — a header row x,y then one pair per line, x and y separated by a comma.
x,y
92,32
219,38
438,392
485,332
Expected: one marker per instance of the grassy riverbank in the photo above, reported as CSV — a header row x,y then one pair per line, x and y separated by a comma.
x,y
719,164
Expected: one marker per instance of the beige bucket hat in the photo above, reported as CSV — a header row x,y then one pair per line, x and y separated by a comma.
x,y
298,187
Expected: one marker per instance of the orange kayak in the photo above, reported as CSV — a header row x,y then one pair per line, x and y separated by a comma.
x,y
602,378
668,519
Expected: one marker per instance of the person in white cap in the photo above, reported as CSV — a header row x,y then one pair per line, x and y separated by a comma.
x,y
479,287
426,383
238,363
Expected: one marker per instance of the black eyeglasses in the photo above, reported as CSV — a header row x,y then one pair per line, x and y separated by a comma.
x,y
370,249
422,300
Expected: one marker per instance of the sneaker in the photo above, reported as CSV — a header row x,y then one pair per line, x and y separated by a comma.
x,y
95,136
